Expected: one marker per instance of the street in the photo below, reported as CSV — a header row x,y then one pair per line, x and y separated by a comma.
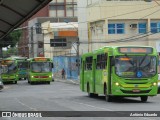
x,y
60,96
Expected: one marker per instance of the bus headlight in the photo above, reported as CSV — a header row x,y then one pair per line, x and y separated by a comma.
x,y
50,76
32,76
154,84
117,84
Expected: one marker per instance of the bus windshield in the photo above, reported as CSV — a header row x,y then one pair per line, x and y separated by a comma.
x,y
22,65
41,67
9,68
135,66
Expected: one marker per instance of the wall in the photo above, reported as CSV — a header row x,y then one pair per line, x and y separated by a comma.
x,y
82,26
127,12
68,63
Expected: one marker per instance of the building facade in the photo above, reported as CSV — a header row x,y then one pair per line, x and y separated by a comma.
x,y
120,22
55,11
41,40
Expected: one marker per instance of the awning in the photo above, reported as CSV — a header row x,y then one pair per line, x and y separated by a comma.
x,y
14,12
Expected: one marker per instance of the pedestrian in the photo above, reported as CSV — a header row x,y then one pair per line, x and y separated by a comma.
x,y
63,73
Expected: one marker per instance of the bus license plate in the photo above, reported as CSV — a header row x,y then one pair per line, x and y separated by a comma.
x,y
136,90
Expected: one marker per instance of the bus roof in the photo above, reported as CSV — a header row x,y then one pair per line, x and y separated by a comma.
x,y
115,48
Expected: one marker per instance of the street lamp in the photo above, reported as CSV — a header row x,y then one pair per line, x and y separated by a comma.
x,y
77,42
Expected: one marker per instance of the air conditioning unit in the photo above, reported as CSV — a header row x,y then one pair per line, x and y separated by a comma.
x,y
133,26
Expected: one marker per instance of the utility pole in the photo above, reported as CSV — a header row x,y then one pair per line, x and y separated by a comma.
x,y
32,50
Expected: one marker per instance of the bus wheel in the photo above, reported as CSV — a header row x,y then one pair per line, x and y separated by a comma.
x,y
15,82
88,90
48,82
28,81
107,97
144,98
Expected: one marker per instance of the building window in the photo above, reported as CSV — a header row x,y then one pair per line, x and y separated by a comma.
x,y
155,27
117,28
142,27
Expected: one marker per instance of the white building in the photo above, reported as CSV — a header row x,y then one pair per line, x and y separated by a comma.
x,y
107,22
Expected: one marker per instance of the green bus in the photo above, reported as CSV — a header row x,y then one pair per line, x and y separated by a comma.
x,y
23,65
124,71
9,70
40,70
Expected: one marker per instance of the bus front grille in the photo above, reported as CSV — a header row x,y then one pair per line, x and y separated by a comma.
x,y
132,91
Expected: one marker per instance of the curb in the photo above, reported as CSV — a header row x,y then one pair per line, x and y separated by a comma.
x,y
75,82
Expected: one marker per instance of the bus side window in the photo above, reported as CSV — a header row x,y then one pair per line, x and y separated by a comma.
x,y
88,63
101,61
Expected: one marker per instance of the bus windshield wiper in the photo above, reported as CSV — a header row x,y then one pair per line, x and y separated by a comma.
x,y
129,60
143,60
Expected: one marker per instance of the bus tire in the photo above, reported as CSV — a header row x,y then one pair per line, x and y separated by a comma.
x,y
108,98
48,82
144,98
88,90
28,81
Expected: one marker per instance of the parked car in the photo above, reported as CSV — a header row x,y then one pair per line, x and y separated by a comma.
x,y
1,84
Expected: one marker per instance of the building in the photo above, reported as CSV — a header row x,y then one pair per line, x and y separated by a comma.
x,y
119,22
41,40
55,11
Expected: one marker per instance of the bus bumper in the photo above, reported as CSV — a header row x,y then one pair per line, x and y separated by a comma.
x,y
119,91
49,79
9,78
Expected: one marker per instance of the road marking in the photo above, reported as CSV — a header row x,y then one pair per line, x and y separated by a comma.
x,y
25,104
92,106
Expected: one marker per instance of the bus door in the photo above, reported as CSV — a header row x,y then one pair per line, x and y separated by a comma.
x,y
110,65
82,75
94,75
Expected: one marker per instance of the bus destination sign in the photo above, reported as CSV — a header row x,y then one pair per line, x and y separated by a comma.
x,y
40,59
133,50
7,62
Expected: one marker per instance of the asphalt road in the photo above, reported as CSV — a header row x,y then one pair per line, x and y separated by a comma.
x,y
60,96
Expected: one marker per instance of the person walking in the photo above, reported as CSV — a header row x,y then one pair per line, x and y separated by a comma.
x,y
63,73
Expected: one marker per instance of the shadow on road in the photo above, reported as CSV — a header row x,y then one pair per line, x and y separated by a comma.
x,y
118,99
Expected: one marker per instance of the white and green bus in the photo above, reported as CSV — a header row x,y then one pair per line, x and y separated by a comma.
x,y
124,71
23,65
9,70
40,70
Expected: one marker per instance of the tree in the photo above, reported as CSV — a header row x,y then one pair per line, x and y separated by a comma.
x,y
10,40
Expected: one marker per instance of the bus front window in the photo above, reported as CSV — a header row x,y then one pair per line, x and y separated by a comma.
x,y
23,65
9,68
135,66
41,67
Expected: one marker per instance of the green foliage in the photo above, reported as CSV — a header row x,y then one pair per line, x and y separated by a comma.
x,y
11,51
11,39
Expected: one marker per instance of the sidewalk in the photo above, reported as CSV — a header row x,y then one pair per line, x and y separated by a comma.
x,y
70,81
